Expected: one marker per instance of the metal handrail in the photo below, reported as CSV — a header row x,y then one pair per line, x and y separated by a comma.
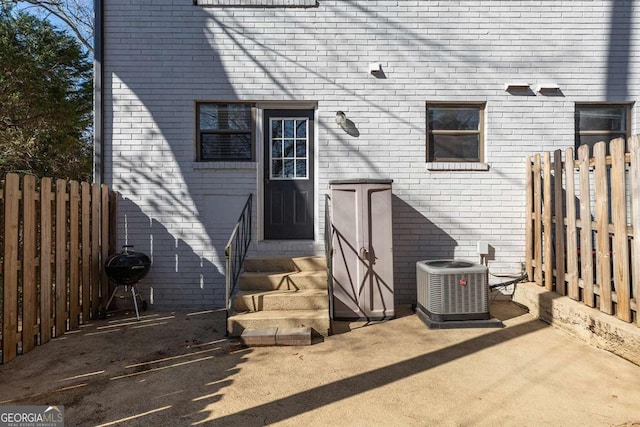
x,y
328,249
236,250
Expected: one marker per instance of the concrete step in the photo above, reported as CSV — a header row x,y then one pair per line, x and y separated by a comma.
x,y
276,336
317,320
285,264
282,281
308,299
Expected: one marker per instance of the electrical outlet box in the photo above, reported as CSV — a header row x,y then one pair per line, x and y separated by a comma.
x,y
483,248
375,67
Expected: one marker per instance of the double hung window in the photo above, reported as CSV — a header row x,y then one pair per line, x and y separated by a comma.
x,y
600,122
455,132
225,132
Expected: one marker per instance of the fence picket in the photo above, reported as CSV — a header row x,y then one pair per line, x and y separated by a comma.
x,y
529,218
561,287
74,248
86,250
537,223
29,283
547,222
620,243
634,148
95,249
61,258
113,222
46,285
603,258
586,246
10,266
572,234
104,244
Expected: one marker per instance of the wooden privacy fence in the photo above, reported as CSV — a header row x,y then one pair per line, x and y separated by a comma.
x,y
583,225
54,236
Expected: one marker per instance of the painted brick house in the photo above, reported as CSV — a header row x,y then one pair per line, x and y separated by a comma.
x,y
203,102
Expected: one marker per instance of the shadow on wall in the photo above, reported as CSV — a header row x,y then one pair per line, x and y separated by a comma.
x,y
170,209
618,61
179,275
415,238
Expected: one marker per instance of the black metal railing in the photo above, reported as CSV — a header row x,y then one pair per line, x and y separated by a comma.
x,y
236,250
328,249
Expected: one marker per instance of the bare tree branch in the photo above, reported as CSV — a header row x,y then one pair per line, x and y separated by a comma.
x,y
77,15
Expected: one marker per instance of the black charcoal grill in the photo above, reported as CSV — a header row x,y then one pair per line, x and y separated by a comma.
x,y
127,268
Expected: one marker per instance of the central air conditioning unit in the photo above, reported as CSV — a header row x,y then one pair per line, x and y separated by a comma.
x,y
452,290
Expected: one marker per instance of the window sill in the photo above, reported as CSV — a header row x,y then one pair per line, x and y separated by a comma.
x,y
457,166
255,3
224,165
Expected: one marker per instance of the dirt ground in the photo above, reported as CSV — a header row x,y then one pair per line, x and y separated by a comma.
x,y
175,369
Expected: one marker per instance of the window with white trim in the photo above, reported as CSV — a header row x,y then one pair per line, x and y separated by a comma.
x,y
455,132
601,122
225,132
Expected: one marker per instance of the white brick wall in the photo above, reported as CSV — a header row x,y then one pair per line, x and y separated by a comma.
x,y
163,55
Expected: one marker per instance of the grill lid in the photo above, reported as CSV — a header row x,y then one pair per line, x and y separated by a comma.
x,y
127,267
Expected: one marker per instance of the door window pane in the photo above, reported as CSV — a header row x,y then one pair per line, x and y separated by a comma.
x,y
289,171
301,129
276,149
276,168
288,128
301,148
301,168
288,148
276,129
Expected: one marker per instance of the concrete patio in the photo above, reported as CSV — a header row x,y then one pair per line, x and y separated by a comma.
x,y
174,369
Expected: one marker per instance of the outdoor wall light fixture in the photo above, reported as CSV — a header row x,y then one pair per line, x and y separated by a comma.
x,y
375,69
347,125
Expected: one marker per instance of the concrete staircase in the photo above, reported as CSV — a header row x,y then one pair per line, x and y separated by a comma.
x,y
280,301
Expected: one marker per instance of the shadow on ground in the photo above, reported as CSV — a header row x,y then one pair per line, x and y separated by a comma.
x,y
121,370
174,369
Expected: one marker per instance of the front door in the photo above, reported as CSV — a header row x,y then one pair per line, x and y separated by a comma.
x,y
289,174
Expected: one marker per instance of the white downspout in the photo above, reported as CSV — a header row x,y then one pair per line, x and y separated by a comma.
x,y
98,107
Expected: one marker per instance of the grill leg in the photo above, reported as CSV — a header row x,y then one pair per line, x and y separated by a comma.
x,y
135,302
111,299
